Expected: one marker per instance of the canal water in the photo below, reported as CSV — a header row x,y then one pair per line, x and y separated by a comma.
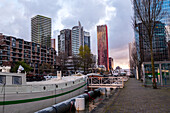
x,y
94,102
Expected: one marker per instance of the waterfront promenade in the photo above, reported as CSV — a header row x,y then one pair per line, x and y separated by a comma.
x,y
135,98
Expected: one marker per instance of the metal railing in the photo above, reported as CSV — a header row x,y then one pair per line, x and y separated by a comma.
x,y
103,82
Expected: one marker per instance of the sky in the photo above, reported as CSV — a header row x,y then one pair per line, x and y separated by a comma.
x,y
15,20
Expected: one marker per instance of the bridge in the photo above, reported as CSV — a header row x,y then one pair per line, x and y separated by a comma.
x,y
106,82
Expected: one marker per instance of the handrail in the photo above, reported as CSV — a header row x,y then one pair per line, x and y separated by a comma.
x,y
117,82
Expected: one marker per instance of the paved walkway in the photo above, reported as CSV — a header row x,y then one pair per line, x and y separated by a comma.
x,y
135,98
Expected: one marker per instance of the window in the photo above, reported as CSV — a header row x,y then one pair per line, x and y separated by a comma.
x,y
8,53
13,42
16,80
20,46
8,48
2,79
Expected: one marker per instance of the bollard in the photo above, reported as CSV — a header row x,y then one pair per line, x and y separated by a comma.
x,y
80,104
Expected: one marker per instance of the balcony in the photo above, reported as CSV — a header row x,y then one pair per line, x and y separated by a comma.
x,y
5,55
27,45
26,58
4,60
14,47
20,48
15,52
8,40
27,49
36,59
43,49
16,57
4,45
5,50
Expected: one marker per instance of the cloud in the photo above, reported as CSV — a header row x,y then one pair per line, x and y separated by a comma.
x,y
16,20
89,12
120,56
120,29
120,32
47,8
16,15
12,20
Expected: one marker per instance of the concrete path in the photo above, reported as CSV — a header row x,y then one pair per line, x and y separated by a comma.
x,y
135,98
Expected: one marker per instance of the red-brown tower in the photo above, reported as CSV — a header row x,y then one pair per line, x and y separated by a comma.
x,y
102,42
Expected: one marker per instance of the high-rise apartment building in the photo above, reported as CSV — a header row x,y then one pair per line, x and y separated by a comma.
x,y
15,49
102,41
53,43
77,38
41,30
64,42
87,39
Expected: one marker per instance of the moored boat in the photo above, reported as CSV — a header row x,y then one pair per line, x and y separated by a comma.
x,y
19,96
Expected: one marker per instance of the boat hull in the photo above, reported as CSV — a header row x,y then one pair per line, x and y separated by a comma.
x,y
34,101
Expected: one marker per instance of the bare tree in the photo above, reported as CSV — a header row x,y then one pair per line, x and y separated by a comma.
x,y
135,60
61,62
45,67
76,63
148,12
133,57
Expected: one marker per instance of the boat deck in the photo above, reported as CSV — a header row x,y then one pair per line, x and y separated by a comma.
x,y
55,80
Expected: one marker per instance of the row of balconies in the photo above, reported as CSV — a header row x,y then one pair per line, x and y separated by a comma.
x,y
16,56
4,55
28,58
8,40
4,44
38,52
16,51
36,59
35,55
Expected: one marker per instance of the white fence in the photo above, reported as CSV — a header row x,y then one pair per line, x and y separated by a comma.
x,y
103,82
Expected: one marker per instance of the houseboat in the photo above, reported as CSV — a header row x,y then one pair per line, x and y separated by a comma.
x,y
19,96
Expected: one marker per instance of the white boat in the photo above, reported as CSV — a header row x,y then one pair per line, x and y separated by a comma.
x,y
19,96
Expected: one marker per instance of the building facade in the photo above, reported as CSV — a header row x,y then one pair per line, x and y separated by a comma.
x,y
15,49
162,73
53,43
41,30
130,55
87,39
164,34
77,38
102,41
166,19
64,42
160,48
111,63
169,50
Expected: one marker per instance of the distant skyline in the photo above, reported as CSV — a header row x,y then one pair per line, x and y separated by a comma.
x,y
116,14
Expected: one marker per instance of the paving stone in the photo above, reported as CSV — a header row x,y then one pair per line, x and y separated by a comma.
x,y
135,98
